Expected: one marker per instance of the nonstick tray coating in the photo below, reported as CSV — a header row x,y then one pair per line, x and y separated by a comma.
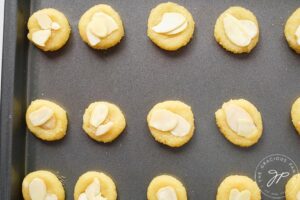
x,y
136,75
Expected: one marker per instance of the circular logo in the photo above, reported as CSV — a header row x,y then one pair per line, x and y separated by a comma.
x,y
272,173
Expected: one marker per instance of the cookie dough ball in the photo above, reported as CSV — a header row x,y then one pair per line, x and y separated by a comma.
x,y
166,187
103,121
237,30
170,26
240,122
171,123
238,187
42,185
292,31
295,114
101,27
95,184
292,188
46,120
49,29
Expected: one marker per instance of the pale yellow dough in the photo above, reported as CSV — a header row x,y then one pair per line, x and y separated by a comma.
x,y
107,186
230,134
54,186
112,39
167,138
292,188
59,37
290,28
220,35
238,182
61,121
295,114
115,115
165,181
170,42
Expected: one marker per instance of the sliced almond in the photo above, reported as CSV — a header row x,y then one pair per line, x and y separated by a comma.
x,y
93,189
50,124
163,120
182,128
92,39
104,128
240,32
166,193
236,117
82,196
246,128
297,34
169,22
179,29
44,20
98,27
109,21
298,196
249,27
55,26
40,116
245,195
51,197
41,37
234,194
99,114
37,189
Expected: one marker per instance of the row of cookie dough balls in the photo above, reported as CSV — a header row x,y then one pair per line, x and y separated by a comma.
x,y
170,122
170,26
92,185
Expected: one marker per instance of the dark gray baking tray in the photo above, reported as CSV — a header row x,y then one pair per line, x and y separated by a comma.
x,y
136,75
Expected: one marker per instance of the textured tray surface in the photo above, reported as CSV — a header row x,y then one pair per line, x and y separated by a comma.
x,y
136,75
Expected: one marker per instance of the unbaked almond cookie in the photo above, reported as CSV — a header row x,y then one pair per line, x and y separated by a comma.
x,y
237,30
170,26
101,27
292,30
49,29
238,188
171,123
43,185
292,188
95,185
46,120
166,187
240,122
295,114
103,121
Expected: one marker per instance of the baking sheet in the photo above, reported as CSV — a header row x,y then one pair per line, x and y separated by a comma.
x,y
136,75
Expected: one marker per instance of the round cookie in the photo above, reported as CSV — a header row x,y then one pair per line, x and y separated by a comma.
x,y
165,41
114,115
292,188
221,37
240,183
166,137
54,128
231,135
295,114
59,36
108,41
166,181
290,29
107,186
52,183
